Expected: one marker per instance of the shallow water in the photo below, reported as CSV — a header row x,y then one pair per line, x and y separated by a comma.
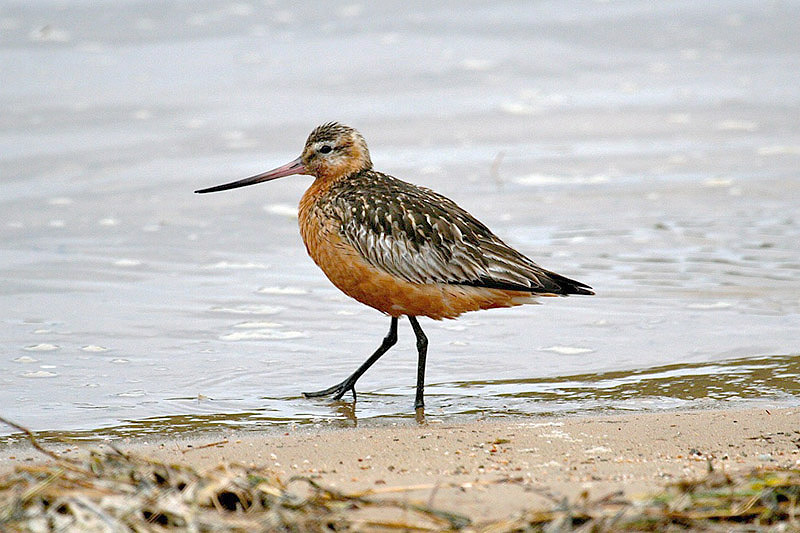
x,y
652,155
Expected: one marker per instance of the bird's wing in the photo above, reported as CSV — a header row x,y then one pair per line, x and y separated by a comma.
x,y
423,237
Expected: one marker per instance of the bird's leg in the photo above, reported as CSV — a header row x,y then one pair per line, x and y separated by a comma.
x,y
422,350
349,384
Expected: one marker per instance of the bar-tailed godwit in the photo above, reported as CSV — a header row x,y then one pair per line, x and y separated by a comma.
x,y
400,248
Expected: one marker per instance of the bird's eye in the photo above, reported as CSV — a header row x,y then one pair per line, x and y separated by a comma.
x,y
325,149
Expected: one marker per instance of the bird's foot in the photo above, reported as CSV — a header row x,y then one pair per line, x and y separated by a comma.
x,y
337,391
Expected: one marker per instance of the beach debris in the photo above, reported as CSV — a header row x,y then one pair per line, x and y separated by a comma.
x,y
107,491
762,500
104,491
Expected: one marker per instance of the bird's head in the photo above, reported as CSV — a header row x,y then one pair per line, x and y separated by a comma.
x,y
332,151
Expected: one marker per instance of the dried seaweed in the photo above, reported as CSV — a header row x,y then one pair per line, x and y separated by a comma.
x,y
119,492
763,500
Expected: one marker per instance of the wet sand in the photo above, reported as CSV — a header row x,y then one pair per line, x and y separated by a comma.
x,y
489,469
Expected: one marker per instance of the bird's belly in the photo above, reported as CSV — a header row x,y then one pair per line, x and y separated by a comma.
x,y
354,276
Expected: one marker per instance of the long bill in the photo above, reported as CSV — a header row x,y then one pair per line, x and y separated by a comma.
x,y
295,167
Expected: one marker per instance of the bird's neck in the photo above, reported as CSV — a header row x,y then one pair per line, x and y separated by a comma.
x,y
325,179
321,187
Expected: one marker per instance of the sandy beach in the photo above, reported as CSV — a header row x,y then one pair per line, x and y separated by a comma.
x,y
491,469
649,150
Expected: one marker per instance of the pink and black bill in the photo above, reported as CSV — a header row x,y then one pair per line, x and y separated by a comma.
x,y
295,167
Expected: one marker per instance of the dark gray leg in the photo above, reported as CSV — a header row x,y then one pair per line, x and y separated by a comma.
x,y
350,383
422,350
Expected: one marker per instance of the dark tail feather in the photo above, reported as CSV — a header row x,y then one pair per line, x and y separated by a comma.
x,y
552,283
563,285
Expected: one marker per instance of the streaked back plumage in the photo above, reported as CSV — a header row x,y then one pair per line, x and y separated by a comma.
x,y
423,237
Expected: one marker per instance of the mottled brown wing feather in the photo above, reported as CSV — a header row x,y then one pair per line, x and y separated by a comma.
x,y
423,237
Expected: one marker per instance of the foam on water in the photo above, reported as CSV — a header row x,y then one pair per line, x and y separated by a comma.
x,y
282,290
567,350
43,347
227,265
264,334
282,209
249,310
39,374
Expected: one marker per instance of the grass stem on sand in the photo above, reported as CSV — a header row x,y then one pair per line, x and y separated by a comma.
x,y
116,491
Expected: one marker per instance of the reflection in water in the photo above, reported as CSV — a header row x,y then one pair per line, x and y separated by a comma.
x,y
345,412
686,385
727,380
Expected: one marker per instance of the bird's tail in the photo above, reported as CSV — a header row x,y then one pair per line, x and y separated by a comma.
x,y
563,285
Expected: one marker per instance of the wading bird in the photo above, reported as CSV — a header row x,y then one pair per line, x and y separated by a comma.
x,y
400,248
